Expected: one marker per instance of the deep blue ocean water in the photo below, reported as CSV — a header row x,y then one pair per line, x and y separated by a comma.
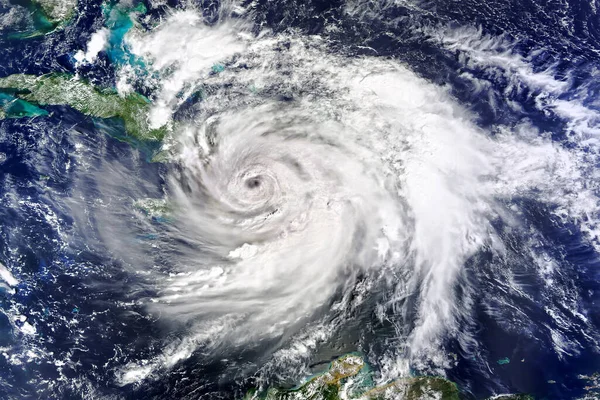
x,y
74,293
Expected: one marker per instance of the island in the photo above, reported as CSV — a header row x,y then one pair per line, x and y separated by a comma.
x,y
30,92
46,16
348,378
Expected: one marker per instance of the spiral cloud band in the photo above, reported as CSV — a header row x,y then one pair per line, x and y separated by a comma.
x,y
289,213
306,185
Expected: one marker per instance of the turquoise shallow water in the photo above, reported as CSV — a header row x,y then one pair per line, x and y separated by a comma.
x,y
17,108
41,22
119,20
84,318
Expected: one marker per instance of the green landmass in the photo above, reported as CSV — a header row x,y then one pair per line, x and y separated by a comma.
x,y
58,10
63,89
158,210
417,388
347,378
46,15
325,386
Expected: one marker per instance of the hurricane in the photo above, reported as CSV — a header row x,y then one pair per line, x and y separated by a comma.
x,y
289,208
219,199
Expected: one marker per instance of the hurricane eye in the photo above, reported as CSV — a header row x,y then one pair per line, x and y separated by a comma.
x,y
253,183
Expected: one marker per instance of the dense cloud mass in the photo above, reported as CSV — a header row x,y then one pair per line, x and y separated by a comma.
x,y
372,177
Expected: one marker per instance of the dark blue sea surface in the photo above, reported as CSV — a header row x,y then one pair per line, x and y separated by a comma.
x,y
82,302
